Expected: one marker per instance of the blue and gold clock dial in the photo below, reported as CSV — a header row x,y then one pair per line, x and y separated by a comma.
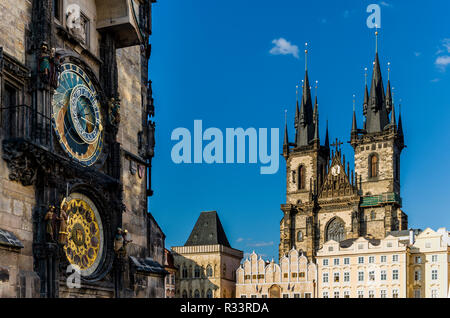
x,y
76,115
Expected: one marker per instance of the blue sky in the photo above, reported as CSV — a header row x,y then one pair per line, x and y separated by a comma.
x,y
215,61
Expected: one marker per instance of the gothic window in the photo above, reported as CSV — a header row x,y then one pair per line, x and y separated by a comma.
x,y
196,294
197,272
299,236
336,230
209,294
301,178
372,215
209,271
185,294
373,166
185,272
274,291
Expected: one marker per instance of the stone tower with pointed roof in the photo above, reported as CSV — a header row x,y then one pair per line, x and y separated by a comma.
x,y
325,200
206,263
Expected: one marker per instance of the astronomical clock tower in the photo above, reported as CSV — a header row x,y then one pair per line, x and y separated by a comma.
x,y
77,145
325,199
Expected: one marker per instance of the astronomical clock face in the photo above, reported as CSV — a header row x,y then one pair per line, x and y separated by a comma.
x,y
85,240
76,115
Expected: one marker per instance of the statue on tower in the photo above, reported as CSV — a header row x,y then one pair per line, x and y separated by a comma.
x,y
50,219
62,218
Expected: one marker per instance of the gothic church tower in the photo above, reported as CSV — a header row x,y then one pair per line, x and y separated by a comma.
x,y
325,200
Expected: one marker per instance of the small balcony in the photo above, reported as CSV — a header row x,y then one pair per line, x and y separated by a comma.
x,y
22,123
381,199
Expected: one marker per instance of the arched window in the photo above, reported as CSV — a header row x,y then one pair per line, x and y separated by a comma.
x,y
196,294
185,272
373,166
209,271
299,236
184,294
336,230
209,294
301,178
372,215
197,271
275,291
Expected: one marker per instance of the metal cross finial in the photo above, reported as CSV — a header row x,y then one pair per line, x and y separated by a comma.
x,y
354,102
306,56
376,38
365,74
317,85
389,71
337,145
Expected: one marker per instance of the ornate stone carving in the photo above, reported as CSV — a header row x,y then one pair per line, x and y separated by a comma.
x,y
75,23
150,147
114,111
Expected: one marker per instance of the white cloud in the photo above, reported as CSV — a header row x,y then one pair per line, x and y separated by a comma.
x,y
435,80
442,62
417,54
284,47
385,4
446,44
261,244
239,239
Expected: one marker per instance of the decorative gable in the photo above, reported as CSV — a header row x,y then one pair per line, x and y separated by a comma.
x,y
337,182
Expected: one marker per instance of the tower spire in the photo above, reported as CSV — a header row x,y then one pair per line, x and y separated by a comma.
x,y
366,95
316,117
286,137
354,124
388,91
305,130
376,114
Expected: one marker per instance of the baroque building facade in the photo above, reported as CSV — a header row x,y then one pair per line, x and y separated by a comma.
x,y
363,268
325,200
77,144
206,263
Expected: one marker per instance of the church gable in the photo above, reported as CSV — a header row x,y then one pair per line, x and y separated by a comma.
x,y
338,182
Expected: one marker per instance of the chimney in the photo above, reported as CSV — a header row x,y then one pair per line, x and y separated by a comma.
x,y
412,237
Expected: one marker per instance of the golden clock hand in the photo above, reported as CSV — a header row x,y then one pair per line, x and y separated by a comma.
x,y
87,121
